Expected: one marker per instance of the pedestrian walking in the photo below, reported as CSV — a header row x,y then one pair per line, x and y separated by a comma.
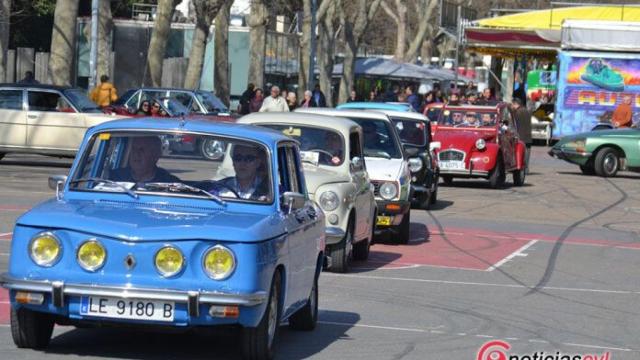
x,y
307,101
292,101
28,78
105,93
275,102
522,119
318,97
245,99
256,102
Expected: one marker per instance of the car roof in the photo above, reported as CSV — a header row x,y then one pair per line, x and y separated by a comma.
x,y
360,114
375,105
264,135
343,125
404,114
36,86
167,89
498,106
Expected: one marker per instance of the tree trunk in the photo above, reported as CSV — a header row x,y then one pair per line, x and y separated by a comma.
x,y
221,68
348,72
305,50
63,42
105,26
258,20
326,50
423,29
5,13
158,43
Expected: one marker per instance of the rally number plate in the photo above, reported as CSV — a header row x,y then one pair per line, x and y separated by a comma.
x,y
120,308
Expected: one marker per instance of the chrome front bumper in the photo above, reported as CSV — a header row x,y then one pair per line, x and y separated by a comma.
x,y
472,173
334,235
58,290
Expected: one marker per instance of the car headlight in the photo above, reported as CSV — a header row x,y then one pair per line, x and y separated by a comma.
x,y
91,255
388,190
219,262
329,201
169,261
415,164
481,144
45,249
576,145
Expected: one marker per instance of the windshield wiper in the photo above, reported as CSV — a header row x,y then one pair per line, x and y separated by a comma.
x,y
378,154
181,187
105,181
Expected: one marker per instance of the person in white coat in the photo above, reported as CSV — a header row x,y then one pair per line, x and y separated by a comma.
x,y
275,102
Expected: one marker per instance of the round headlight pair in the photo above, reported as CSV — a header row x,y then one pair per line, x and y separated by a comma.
x,y
329,201
481,144
388,190
415,164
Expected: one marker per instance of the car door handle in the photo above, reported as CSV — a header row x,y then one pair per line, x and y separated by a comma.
x,y
32,116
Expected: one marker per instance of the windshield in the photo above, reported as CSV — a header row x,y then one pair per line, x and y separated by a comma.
x,y
463,118
175,164
379,140
211,103
174,107
81,101
317,145
124,98
410,131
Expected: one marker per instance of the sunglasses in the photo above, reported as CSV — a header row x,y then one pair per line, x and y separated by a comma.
x,y
244,158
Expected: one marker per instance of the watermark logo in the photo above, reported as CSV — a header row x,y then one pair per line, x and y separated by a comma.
x,y
499,350
494,350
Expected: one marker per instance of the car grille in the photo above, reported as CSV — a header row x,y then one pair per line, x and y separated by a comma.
x,y
455,155
376,188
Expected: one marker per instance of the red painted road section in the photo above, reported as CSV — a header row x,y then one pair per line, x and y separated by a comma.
x,y
4,307
14,208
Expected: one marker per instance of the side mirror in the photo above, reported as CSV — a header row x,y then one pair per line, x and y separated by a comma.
x,y
292,201
410,151
435,145
356,162
56,182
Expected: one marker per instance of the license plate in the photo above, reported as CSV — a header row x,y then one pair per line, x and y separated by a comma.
x,y
383,220
451,165
119,308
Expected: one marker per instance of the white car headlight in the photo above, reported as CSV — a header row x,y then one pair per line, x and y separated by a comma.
x,y
388,190
481,144
415,164
329,201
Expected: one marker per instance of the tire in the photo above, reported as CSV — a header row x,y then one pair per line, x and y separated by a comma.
x,y
587,169
434,196
424,201
1,155
31,329
212,149
306,318
607,162
519,177
362,248
497,176
257,343
341,254
448,180
404,229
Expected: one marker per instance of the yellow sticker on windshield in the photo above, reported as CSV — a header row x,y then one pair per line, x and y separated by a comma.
x,y
104,136
291,131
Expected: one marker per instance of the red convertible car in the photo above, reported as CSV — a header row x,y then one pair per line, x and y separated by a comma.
x,y
479,142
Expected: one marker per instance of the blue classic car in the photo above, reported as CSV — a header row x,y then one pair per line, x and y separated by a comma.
x,y
138,237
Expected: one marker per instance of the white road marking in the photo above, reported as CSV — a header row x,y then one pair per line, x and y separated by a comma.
x,y
5,234
519,252
4,254
511,286
588,346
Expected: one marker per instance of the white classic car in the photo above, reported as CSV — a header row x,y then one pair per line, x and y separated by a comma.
x,y
336,177
387,166
45,119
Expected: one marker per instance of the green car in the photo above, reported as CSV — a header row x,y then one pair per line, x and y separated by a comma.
x,y
601,152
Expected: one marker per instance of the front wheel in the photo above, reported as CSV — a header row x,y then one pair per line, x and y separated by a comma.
x,y
587,170
306,318
258,343
405,227
31,329
362,248
607,162
212,149
1,155
497,177
519,177
341,254
448,180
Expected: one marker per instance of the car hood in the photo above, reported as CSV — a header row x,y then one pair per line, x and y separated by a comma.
x,y
384,169
316,176
461,138
145,222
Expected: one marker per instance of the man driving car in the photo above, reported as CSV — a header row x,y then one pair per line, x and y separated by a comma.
x,y
249,182
144,153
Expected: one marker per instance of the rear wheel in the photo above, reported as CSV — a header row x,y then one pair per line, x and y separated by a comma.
x,y
607,162
404,229
31,329
341,254
497,176
258,343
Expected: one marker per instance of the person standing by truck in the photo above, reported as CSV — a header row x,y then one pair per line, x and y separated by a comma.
x,y
522,119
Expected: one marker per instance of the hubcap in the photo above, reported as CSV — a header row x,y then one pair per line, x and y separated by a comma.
x,y
272,317
213,149
610,163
